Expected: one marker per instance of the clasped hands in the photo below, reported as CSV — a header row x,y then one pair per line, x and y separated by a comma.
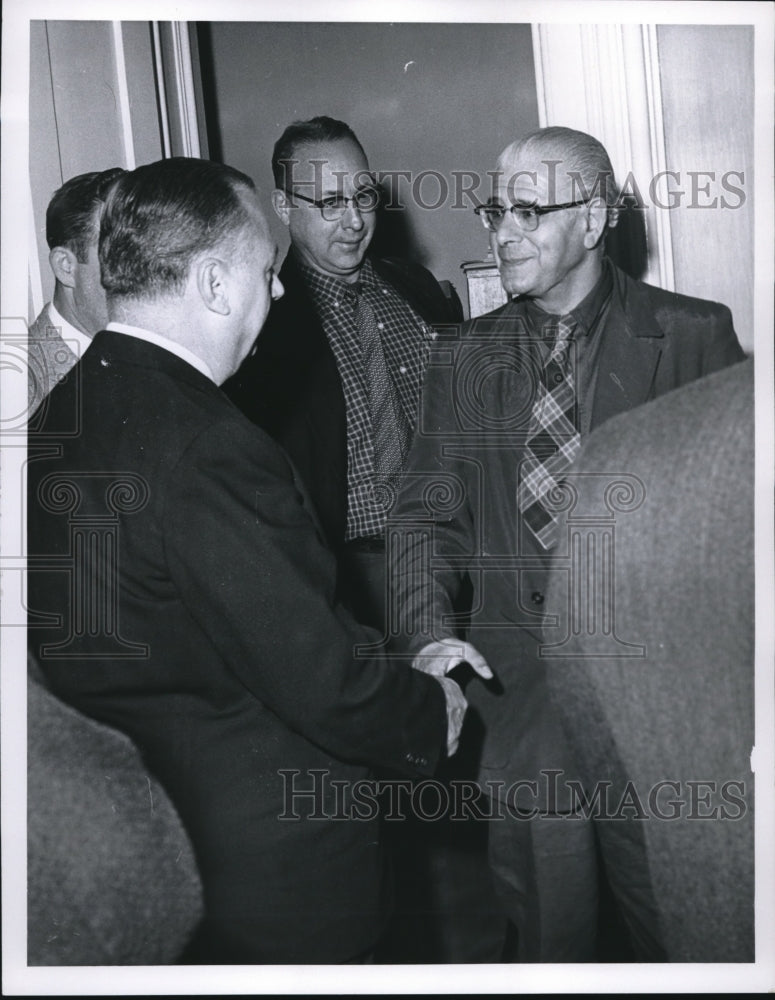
x,y
438,658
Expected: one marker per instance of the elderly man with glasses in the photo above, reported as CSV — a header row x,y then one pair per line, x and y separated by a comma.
x,y
506,405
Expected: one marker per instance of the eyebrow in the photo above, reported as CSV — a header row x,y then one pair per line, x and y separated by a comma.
x,y
335,188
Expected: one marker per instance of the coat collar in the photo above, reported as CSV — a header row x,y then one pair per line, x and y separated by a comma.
x,y
110,347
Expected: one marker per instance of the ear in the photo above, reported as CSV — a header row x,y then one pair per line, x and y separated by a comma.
x,y
281,206
213,286
596,220
64,264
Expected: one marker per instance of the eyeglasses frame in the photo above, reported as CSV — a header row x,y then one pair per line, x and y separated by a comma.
x,y
538,210
320,206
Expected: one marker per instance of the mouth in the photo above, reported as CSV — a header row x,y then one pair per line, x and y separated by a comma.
x,y
513,261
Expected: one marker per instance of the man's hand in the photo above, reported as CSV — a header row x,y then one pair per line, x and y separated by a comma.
x,y
441,656
456,710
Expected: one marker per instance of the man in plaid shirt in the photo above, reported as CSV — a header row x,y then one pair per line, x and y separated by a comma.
x,y
335,376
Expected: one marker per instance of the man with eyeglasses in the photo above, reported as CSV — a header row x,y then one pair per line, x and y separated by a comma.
x,y
505,407
335,376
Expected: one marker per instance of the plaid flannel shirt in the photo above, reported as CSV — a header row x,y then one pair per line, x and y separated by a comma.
x,y
406,339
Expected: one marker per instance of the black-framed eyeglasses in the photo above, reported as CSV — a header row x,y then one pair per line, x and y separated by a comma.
x,y
526,216
334,206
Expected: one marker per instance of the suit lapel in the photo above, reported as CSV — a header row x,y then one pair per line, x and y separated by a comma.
x,y
629,353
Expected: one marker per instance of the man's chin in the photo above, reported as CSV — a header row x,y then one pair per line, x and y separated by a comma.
x,y
513,283
351,259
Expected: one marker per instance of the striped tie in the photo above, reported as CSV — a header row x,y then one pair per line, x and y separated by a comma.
x,y
390,430
553,440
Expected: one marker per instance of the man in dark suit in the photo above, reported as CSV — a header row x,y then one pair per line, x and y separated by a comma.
x,y
505,407
65,326
663,727
336,374
180,591
335,379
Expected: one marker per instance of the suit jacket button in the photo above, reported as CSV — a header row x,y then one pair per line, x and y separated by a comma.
x,y
537,597
409,758
422,761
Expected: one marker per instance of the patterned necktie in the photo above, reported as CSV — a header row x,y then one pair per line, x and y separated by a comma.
x,y
390,430
553,439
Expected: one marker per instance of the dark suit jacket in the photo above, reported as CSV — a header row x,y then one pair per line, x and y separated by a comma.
x,y
200,620
682,712
477,400
291,387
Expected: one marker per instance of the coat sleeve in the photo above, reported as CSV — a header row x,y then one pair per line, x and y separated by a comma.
x,y
243,550
431,526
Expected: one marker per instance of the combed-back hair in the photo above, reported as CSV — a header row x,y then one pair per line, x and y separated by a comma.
x,y
72,216
316,130
581,156
161,216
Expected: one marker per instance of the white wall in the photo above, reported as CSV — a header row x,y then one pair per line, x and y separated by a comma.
x,y
676,98
707,80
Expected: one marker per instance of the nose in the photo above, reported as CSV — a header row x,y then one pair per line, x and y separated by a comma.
x,y
508,231
352,218
277,288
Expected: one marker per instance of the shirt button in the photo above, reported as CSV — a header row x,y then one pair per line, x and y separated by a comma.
x,y
336,304
380,326
402,369
384,291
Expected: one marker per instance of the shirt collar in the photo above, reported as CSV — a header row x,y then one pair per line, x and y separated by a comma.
x,y
585,314
76,339
164,342
331,290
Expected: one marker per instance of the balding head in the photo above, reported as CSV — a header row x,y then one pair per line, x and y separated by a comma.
x,y
161,216
185,252
573,165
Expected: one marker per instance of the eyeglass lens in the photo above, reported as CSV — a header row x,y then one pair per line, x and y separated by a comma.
x,y
365,200
493,215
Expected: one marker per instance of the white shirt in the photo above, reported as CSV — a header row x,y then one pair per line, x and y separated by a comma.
x,y
164,342
75,339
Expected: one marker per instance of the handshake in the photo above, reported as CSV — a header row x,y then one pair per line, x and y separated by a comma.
x,y
438,658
